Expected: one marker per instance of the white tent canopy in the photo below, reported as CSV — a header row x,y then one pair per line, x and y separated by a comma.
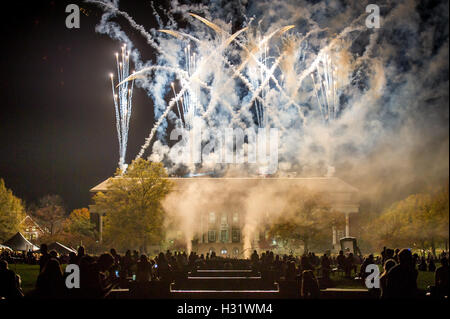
x,y
5,247
20,243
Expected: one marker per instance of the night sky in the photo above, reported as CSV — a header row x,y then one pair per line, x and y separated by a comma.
x,y
57,117
57,120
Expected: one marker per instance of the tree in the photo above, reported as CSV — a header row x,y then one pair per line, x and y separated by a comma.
x,y
420,220
11,212
307,220
389,228
50,214
78,228
134,215
440,212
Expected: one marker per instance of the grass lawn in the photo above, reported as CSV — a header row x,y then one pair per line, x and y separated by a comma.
x,y
424,280
29,273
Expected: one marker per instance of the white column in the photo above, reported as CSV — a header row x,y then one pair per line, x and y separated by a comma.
x,y
200,240
347,225
334,236
230,229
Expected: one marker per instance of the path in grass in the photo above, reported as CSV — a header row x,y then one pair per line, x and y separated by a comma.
x,y
29,273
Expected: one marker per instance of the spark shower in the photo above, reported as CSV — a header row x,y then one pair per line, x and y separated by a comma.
x,y
259,76
370,105
122,103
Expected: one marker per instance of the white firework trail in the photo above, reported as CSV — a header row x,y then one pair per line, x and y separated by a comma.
x,y
133,24
122,102
325,87
198,90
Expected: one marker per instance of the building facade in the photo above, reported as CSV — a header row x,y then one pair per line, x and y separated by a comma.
x,y
31,230
221,220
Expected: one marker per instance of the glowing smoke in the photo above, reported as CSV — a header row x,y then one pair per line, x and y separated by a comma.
x,y
369,104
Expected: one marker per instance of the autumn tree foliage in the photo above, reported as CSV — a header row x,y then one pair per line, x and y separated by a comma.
x,y
11,212
419,221
134,215
78,229
50,214
307,220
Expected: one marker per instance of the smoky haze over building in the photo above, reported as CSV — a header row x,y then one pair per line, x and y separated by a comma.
x,y
57,117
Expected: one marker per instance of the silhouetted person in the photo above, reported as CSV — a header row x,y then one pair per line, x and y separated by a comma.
x,y
305,263
367,261
397,251
423,264
383,255
44,257
144,269
402,278
431,265
341,260
135,258
291,271
100,284
9,282
50,282
415,260
116,257
162,266
89,279
80,254
349,265
325,264
29,256
72,258
441,278
310,286
53,254
388,264
127,262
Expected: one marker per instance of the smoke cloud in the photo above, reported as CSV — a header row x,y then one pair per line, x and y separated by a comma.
x,y
383,126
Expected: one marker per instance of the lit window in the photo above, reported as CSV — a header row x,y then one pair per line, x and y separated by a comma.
x,y
224,235
224,251
212,217
235,251
235,218
211,236
224,219
236,235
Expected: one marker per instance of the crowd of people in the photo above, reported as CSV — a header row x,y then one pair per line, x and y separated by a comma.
x,y
309,272
20,257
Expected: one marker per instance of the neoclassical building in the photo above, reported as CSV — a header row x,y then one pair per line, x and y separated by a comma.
x,y
228,216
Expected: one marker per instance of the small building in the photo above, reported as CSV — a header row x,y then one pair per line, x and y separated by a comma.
x,y
220,224
31,230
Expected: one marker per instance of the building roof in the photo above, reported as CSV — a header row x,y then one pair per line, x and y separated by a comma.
x,y
320,184
29,221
